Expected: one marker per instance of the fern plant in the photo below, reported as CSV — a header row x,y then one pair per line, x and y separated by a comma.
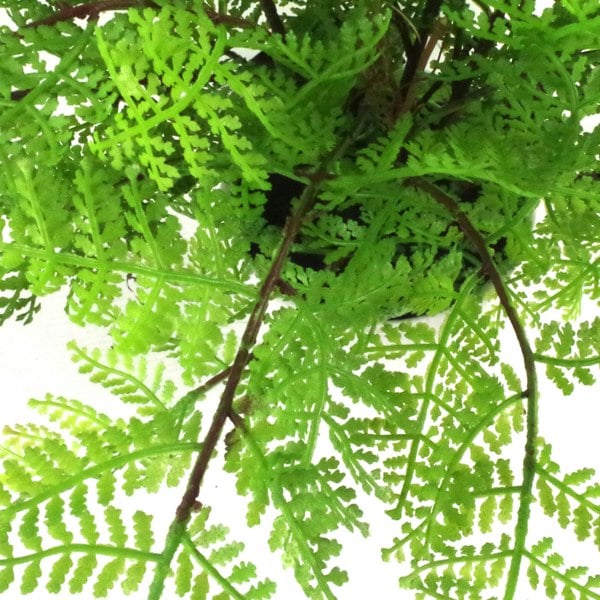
x,y
264,204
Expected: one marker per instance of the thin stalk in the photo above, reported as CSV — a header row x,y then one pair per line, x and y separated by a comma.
x,y
93,549
224,409
530,393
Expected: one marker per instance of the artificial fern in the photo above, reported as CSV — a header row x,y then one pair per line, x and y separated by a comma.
x,y
264,198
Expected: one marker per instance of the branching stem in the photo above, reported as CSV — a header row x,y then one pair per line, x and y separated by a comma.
x,y
242,357
406,101
418,55
225,407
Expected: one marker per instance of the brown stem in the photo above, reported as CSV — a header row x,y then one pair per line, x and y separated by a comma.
x,y
236,420
219,18
88,10
91,10
404,103
211,382
411,50
414,51
488,266
273,18
529,458
286,288
224,409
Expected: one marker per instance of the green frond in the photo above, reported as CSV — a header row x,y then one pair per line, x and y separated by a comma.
x,y
7,577
15,301
467,575
69,413
261,199
223,573
142,523
58,573
108,576
30,577
183,574
83,571
51,476
55,509
569,582
116,526
303,533
79,508
134,575
564,351
125,376
139,130
29,531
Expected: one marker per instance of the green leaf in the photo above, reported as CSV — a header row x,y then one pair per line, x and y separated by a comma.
x,y
30,577
142,524
108,576
83,571
7,576
116,526
58,573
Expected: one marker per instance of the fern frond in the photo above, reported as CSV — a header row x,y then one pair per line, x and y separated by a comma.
x,y
223,573
203,55
127,383
575,506
15,300
83,571
550,565
51,476
268,200
79,507
557,344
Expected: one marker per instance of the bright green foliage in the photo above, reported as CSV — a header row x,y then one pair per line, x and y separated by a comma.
x,y
577,351
208,547
121,381
437,165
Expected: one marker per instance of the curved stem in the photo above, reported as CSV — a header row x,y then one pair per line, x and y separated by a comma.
x,y
529,459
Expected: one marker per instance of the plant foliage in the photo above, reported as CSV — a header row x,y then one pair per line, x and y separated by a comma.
x,y
265,196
